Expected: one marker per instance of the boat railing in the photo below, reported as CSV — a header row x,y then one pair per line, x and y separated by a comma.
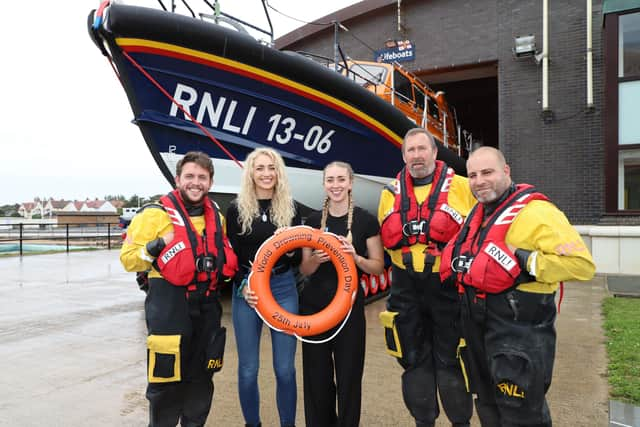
x,y
371,81
218,16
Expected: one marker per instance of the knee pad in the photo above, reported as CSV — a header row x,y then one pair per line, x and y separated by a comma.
x,y
519,386
419,393
163,358
513,376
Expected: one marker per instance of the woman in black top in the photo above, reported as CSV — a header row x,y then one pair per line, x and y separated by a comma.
x,y
263,205
344,354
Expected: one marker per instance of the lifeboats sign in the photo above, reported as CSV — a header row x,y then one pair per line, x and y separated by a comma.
x,y
395,50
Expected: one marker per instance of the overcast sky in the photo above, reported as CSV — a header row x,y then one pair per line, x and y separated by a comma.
x,y
66,128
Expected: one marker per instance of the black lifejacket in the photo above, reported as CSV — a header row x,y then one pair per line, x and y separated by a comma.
x,y
432,223
192,259
478,255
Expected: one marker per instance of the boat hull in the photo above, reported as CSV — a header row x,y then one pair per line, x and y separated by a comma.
x,y
193,85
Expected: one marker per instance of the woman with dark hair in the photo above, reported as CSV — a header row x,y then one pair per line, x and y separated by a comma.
x,y
342,356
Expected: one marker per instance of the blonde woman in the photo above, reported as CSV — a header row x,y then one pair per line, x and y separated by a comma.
x,y
341,358
263,205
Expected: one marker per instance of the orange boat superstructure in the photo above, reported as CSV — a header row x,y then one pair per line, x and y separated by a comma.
x,y
409,94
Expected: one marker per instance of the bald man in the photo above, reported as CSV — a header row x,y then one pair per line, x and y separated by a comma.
x,y
507,261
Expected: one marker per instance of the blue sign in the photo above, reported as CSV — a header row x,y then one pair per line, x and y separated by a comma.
x,y
396,51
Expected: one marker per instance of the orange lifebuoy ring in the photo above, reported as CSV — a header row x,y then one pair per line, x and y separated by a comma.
x,y
286,241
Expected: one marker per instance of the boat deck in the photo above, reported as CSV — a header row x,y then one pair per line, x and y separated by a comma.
x,y
72,332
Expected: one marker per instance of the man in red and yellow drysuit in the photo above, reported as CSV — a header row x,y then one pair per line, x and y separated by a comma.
x,y
183,245
419,212
507,261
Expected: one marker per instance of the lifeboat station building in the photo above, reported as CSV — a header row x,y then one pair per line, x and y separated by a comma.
x,y
554,84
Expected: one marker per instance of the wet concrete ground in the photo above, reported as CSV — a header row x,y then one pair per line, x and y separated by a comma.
x,y
72,350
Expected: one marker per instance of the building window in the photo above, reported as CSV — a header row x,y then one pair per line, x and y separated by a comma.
x,y
629,45
622,95
629,180
628,123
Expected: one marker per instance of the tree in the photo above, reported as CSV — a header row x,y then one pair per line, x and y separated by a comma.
x,y
9,210
134,202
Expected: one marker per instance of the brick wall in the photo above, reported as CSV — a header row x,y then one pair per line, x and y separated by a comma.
x,y
563,158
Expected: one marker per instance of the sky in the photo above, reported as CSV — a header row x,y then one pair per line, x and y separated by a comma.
x,y
65,129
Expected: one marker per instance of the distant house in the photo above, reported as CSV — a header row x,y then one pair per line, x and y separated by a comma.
x,y
29,209
52,207
98,206
118,204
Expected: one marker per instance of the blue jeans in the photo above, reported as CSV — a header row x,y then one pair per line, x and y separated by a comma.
x,y
248,328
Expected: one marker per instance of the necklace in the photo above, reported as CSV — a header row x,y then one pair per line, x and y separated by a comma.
x,y
264,216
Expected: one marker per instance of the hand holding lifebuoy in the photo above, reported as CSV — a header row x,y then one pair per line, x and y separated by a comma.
x,y
250,297
320,256
347,247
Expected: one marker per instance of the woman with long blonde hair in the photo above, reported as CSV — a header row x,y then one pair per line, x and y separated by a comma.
x,y
332,371
263,205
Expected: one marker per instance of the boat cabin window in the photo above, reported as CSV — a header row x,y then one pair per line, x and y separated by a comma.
x,y
419,97
364,74
402,86
432,108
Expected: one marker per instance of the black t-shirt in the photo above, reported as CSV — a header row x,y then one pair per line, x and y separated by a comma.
x,y
246,245
321,288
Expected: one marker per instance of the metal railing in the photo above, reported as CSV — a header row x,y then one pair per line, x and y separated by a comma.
x,y
73,235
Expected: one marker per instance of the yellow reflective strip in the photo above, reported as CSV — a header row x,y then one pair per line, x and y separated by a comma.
x,y
462,343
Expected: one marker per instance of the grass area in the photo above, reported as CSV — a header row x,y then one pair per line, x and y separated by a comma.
x,y
622,328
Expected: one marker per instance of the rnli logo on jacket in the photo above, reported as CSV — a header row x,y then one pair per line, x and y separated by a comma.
x,y
172,252
500,256
452,213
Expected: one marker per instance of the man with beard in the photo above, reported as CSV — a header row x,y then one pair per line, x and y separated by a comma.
x,y
419,212
182,243
507,260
